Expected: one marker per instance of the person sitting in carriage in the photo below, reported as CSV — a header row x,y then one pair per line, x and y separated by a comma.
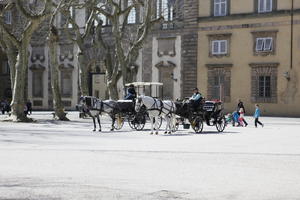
x,y
131,93
196,99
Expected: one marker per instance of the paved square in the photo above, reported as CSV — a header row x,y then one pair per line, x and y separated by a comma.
x,y
66,160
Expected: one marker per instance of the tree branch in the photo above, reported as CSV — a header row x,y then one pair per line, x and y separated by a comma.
x,y
9,35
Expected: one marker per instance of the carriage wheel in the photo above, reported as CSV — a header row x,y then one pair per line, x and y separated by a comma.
x,y
119,122
139,122
197,125
221,124
131,121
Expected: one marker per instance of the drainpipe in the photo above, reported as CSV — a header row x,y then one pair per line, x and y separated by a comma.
x,y
292,34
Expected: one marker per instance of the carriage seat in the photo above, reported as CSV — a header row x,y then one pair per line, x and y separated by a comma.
x,y
125,105
212,106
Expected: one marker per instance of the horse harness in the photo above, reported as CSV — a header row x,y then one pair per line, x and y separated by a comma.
x,y
160,109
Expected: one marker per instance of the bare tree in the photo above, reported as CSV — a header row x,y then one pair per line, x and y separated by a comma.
x,y
127,39
20,39
53,39
82,37
120,46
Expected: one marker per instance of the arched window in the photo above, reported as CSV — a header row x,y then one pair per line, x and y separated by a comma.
x,y
132,15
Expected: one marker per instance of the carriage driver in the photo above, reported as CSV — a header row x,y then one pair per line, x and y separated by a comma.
x,y
196,98
131,94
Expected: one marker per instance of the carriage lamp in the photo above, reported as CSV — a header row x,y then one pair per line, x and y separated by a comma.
x,y
172,77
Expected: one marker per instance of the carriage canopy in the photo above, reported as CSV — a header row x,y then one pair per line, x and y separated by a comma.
x,y
153,89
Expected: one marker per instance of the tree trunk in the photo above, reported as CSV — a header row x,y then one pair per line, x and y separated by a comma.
x,y
84,74
12,54
113,90
57,102
18,102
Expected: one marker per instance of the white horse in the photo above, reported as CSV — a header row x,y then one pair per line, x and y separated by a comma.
x,y
157,108
95,107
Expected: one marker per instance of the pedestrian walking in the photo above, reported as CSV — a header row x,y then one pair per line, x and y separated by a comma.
x,y
257,114
241,108
29,107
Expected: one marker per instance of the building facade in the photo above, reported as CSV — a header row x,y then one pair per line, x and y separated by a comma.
x,y
170,54
249,50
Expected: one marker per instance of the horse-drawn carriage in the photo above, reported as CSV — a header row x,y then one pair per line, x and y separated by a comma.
x,y
149,105
210,112
122,110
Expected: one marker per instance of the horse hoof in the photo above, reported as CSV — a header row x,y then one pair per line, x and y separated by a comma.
x,y
94,130
156,133
112,129
166,132
99,130
151,133
169,132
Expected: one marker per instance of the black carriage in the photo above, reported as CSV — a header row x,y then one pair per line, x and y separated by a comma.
x,y
122,110
210,112
125,111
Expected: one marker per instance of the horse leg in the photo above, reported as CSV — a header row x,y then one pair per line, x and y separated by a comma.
x,y
151,119
167,125
173,121
113,118
156,125
98,118
94,121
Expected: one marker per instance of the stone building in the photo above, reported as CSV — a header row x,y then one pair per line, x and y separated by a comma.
x,y
170,55
170,52
249,50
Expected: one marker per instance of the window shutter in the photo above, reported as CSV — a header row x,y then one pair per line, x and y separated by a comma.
x,y
223,8
217,9
215,47
268,44
223,47
268,5
259,44
261,5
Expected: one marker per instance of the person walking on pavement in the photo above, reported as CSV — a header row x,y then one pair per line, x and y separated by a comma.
x,y
257,114
241,108
29,107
